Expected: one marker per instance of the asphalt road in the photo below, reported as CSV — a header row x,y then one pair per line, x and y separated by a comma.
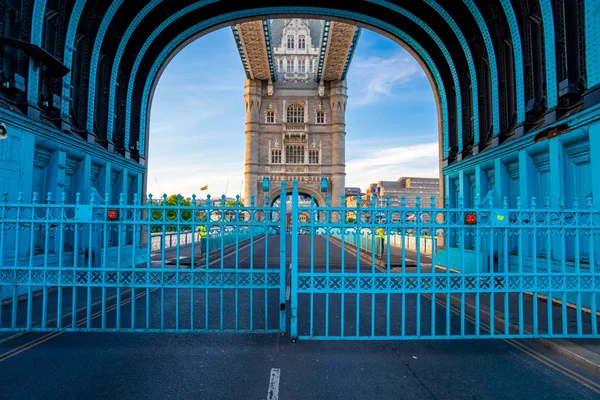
x,y
268,365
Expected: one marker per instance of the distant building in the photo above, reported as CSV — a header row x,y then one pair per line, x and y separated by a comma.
x,y
407,187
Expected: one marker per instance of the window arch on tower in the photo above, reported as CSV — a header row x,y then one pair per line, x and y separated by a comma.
x,y
290,41
301,42
295,113
320,117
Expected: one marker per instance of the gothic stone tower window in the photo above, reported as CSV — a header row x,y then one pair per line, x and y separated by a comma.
x,y
275,156
270,117
301,42
290,42
290,66
294,154
320,117
295,113
313,156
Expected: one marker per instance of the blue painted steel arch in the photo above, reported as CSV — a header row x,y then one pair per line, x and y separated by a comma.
x,y
106,20
115,68
463,42
289,10
68,57
550,52
37,29
447,56
489,46
592,42
140,56
518,56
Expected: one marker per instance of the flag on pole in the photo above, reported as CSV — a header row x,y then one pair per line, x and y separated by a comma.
x,y
204,188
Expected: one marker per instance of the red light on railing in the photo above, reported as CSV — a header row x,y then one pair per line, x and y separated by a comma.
x,y
470,219
112,215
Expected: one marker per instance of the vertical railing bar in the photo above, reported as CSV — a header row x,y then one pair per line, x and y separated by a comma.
x,y
31,253
329,220
492,268
147,280
178,220
520,232
75,266
549,264
254,219
193,214
48,215
2,229
283,266
535,267
563,268
577,265
134,243
59,298
462,243
207,260
477,268
89,269
506,272
103,266
162,265
294,261
592,266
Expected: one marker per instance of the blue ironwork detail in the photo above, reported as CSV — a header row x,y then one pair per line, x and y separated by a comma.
x,y
37,26
472,72
489,46
117,61
592,42
68,56
445,52
323,49
267,31
518,56
300,10
238,43
351,51
138,61
550,52
106,20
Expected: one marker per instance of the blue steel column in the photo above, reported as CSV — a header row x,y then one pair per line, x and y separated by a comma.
x,y
294,261
37,28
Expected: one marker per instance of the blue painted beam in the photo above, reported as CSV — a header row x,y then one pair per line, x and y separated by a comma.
x,y
240,47
351,51
110,124
592,42
323,49
472,72
37,28
549,52
68,57
268,43
106,20
489,46
518,57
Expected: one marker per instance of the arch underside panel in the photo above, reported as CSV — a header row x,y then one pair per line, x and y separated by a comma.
x,y
482,59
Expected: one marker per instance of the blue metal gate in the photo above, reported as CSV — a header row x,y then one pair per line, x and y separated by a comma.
x,y
424,272
172,265
377,272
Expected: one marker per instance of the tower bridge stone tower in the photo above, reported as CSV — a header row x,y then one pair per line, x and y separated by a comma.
x,y
295,98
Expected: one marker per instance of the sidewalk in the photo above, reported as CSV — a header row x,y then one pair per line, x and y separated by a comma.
x,y
585,352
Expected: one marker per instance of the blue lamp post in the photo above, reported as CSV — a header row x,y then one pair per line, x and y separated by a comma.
x,y
324,185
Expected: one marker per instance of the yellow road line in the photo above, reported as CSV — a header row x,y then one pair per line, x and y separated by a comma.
x,y
531,352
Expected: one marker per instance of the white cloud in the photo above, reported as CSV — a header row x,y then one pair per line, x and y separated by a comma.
x,y
375,78
390,164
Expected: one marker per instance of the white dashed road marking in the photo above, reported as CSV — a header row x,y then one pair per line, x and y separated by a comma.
x,y
273,393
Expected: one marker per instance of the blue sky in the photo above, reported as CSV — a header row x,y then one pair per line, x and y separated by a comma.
x,y
197,118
